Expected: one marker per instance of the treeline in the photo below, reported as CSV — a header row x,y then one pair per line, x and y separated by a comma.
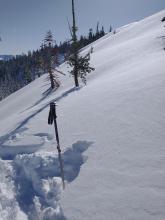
x,y
23,69
65,47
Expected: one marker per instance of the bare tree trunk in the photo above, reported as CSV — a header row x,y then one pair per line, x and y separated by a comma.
x,y
51,79
75,50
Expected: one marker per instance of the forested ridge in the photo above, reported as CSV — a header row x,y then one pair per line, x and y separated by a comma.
x,y
20,70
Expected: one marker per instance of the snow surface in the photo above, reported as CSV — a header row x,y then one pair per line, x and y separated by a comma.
x,y
111,134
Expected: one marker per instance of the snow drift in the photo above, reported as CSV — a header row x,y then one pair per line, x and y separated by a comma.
x,y
111,134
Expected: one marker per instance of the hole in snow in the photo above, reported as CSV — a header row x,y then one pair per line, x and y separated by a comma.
x,y
38,182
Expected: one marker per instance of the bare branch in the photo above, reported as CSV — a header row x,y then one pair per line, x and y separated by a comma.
x,y
70,29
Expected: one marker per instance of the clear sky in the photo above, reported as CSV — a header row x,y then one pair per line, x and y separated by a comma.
x,y
23,23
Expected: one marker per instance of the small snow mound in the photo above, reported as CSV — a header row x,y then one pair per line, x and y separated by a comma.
x,y
38,183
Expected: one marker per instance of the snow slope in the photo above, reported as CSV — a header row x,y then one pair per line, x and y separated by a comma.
x,y
111,134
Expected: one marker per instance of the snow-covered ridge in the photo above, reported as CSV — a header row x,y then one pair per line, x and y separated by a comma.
x,y
111,135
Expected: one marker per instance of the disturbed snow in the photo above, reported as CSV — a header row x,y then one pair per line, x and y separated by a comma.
x,y
111,134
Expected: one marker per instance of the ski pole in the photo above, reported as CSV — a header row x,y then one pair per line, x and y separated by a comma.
x,y
52,118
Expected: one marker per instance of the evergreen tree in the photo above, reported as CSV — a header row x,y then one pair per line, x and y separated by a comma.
x,y
80,65
18,71
163,19
90,35
49,59
102,32
97,35
110,29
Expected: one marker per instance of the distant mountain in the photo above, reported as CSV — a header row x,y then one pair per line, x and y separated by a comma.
x,y
6,57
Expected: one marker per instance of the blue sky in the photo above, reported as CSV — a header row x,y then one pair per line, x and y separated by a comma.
x,y
23,23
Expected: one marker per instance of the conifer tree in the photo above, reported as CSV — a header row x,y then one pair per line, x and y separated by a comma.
x,y
110,29
97,31
90,35
102,32
49,59
163,19
80,65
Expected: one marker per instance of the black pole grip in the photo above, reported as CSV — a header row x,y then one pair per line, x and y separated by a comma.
x,y
52,118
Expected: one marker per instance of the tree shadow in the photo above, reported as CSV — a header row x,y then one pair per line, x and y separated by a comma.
x,y
21,125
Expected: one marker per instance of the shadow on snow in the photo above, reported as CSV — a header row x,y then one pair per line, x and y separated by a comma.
x,y
32,170
20,128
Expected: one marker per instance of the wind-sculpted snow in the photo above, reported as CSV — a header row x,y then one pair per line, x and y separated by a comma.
x,y
22,124
121,110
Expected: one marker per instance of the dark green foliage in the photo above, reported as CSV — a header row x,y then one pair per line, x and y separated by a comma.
x,y
163,19
90,36
110,29
49,59
102,31
21,70
16,73
80,65
84,41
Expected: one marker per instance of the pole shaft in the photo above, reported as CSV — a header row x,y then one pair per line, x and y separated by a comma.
x,y
61,167
56,132
58,148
